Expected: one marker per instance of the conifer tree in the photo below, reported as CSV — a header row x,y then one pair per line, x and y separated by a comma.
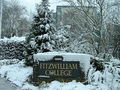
x,y
40,38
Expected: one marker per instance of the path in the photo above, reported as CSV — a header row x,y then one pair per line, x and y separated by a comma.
x,y
6,85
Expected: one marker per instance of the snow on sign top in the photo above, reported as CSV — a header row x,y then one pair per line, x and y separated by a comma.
x,y
84,59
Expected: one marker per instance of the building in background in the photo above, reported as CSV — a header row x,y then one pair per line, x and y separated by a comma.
x,y
70,15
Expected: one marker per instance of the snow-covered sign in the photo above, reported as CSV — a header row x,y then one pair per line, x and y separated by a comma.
x,y
57,69
84,59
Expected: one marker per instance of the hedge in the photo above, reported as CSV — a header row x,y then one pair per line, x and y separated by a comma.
x,y
11,50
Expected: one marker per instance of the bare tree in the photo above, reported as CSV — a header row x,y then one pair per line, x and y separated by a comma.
x,y
114,20
15,22
96,24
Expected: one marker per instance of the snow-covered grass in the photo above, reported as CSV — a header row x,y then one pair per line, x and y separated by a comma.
x,y
16,73
55,85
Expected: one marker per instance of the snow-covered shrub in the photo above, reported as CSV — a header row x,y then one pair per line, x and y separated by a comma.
x,y
11,48
62,38
13,39
8,61
106,56
110,76
81,46
97,64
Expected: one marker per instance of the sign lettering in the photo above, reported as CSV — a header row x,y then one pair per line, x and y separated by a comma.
x,y
57,69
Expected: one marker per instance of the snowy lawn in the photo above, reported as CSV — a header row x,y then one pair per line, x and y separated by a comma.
x,y
18,74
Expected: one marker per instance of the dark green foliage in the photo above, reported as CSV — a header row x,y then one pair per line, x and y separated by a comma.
x,y
97,64
11,50
40,38
116,44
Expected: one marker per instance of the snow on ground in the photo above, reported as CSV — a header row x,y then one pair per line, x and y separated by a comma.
x,y
16,73
84,59
13,39
19,73
115,61
55,85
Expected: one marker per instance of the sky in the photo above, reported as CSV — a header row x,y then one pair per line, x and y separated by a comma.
x,y
30,4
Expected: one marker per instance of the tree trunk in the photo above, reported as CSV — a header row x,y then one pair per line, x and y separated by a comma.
x,y
0,17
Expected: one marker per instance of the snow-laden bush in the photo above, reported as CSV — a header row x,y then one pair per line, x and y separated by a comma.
x,y
110,76
12,48
8,62
13,39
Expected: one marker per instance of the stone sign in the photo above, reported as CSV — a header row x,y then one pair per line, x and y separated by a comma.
x,y
56,69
